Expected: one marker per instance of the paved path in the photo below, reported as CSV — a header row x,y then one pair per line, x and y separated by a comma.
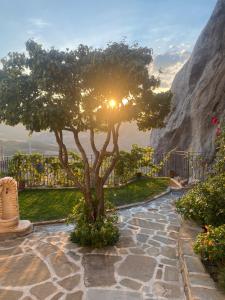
x,y
143,265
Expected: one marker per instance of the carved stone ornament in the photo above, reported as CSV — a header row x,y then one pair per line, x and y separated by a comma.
x,y
10,223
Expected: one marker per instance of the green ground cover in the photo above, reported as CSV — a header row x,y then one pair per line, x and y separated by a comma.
x,y
48,204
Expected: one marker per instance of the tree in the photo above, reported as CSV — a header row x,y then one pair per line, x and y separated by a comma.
x,y
87,89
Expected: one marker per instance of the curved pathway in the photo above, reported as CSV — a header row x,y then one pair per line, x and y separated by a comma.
x,y
142,266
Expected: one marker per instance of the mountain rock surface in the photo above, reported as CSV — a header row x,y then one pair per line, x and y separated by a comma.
x,y
198,93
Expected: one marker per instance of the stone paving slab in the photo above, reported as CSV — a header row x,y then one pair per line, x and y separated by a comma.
x,y
144,265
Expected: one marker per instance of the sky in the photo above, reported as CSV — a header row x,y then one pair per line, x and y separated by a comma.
x,y
169,27
159,24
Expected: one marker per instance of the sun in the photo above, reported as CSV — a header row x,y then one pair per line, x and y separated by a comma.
x,y
112,103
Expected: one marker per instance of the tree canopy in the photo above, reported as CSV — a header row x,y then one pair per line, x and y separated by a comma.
x,y
51,89
85,89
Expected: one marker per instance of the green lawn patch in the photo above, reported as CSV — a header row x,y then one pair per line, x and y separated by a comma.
x,y
49,204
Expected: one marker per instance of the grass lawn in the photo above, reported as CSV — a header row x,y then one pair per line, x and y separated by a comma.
x,y
46,204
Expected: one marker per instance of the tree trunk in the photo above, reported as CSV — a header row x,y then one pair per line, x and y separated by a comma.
x,y
92,181
100,198
96,206
94,197
89,202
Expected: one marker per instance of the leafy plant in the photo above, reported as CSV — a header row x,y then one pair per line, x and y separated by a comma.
x,y
205,203
219,165
125,167
211,245
101,233
221,278
135,162
36,169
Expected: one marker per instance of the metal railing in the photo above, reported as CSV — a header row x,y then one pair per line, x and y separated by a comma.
x,y
46,170
193,166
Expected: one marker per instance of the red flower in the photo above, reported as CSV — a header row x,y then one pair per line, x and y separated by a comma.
x,y
214,121
218,131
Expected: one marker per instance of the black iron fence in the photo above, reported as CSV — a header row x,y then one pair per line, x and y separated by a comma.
x,y
192,166
38,170
46,170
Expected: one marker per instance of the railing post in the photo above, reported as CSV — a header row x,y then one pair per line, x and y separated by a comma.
x,y
188,166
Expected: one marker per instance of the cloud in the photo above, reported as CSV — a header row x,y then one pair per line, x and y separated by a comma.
x,y
35,31
165,66
39,23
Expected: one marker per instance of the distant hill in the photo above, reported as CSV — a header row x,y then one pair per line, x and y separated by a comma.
x,y
11,147
16,138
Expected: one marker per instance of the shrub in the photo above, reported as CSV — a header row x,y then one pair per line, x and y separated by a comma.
x,y
221,278
136,161
211,245
219,165
101,233
205,203
37,169
125,167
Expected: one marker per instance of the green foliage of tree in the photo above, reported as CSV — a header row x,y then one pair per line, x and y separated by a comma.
x,y
85,89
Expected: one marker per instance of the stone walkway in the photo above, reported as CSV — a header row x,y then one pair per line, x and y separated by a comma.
x,y
142,266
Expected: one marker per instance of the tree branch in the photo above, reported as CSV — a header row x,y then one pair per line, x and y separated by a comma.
x,y
85,160
78,143
63,157
96,152
92,138
114,153
87,179
103,151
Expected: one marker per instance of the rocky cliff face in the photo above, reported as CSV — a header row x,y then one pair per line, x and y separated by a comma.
x,y
198,93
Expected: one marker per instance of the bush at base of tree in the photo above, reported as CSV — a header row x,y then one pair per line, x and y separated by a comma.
x,y
101,233
205,203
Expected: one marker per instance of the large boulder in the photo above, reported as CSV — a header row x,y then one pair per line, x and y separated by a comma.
x,y
198,93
